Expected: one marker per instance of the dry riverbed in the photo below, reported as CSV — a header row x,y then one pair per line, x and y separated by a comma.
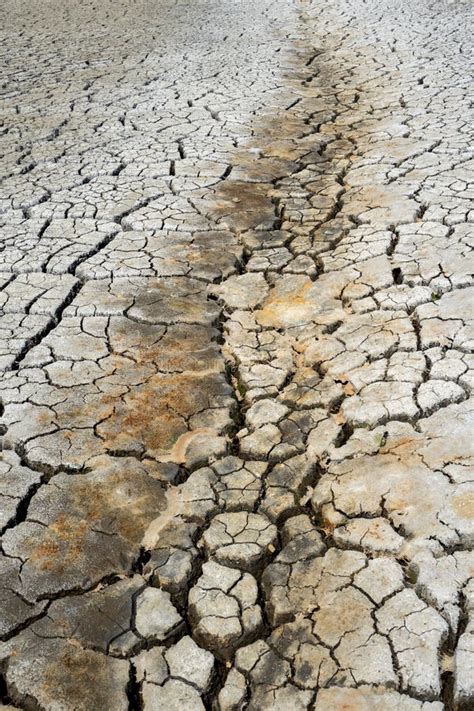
x,y
236,336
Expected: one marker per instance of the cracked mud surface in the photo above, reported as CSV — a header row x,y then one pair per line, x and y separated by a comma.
x,y
235,344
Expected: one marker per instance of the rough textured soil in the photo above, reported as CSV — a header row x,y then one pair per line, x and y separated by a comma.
x,y
235,335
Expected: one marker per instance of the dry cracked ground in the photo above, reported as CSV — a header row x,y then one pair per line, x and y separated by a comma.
x,y
236,334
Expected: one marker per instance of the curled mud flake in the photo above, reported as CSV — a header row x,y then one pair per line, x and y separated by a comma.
x,y
154,416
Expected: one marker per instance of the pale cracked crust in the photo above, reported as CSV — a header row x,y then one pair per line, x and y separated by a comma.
x,y
235,344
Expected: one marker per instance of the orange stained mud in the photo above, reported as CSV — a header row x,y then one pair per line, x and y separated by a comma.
x,y
117,501
72,675
282,309
155,415
243,206
60,546
463,505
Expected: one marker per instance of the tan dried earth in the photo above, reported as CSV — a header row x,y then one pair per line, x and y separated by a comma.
x,y
236,354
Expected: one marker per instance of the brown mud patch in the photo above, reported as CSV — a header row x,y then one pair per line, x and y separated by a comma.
x,y
84,527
